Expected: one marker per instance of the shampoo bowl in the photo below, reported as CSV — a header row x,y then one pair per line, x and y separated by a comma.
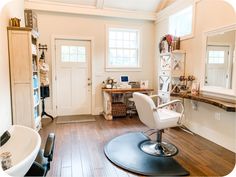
x,y
23,145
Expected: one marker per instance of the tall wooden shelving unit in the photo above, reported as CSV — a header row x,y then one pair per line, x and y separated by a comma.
x,y
172,66
24,72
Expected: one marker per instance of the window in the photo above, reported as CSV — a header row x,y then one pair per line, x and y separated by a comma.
x,y
180,23
216,57
217,54
73,54
123,48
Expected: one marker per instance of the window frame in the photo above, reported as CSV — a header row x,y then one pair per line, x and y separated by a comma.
x,y
139,47
182,7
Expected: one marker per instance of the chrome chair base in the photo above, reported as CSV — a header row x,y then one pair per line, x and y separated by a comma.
x,y
162,149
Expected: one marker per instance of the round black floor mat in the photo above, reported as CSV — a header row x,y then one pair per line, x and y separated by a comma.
x,y
124,152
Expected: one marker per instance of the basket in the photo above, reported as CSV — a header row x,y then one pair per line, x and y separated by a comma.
x,y
118,109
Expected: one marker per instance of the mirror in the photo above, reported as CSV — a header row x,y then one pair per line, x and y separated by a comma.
x,y
220,51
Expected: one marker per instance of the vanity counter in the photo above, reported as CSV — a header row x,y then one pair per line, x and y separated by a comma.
x,y
227,106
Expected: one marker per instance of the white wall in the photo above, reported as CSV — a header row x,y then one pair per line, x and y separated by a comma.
x,y
209,15
8,9
94,27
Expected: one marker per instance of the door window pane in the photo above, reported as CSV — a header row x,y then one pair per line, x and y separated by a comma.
x,y
216,57
73,54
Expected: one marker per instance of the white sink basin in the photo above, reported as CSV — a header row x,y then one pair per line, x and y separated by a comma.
x,y
24,145
2,173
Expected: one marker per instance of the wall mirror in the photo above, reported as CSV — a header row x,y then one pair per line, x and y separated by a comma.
x,y
219,55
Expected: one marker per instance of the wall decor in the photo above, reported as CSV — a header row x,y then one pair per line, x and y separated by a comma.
x,y
14,22
169,43
31,19
144,84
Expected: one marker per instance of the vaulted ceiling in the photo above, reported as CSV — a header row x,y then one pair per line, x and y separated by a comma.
x,y
143,9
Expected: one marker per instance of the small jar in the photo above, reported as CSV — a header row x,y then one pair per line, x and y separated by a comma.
x,y
6,160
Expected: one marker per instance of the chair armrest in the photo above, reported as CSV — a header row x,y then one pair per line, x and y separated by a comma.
x,y
49,147
173,102
169,103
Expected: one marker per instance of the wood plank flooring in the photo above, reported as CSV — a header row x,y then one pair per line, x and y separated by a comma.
x,y
79,149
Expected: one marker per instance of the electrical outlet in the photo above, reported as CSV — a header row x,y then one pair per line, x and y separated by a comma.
x,y
217,116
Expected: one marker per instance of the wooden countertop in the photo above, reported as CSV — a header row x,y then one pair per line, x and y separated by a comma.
x,y
123,90
228,106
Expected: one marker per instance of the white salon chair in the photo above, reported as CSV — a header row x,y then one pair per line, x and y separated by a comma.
x,y
158,118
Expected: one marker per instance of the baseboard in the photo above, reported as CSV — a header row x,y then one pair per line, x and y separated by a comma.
x,y
97,111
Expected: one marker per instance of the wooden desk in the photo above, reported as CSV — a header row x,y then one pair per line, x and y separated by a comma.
x,y
227,106
107,98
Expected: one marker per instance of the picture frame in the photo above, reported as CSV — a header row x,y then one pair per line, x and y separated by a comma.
x,y
144,84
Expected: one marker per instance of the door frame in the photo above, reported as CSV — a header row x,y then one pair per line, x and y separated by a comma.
x,y
53,62
215,45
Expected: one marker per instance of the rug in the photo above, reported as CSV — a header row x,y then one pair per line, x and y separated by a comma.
x,y
124,152
75,119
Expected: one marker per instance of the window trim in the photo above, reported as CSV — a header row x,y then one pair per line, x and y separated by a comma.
x,y
117,68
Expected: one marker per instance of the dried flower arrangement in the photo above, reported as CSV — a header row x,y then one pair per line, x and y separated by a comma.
x,y
169,43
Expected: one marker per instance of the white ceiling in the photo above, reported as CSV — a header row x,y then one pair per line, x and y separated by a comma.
x,y
134,5
131,9
130,5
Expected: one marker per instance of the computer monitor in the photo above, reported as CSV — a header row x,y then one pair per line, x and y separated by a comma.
x,y
124,79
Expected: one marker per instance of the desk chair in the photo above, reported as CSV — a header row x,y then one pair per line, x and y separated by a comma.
x,y
41,164
158,118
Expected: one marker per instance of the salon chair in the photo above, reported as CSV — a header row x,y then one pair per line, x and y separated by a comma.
x,y
41,165
157,117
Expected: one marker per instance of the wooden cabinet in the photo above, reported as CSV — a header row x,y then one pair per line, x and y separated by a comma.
x,y
24,72
172,66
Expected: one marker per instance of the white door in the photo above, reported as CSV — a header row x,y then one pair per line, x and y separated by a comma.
x,y
217,66
73,77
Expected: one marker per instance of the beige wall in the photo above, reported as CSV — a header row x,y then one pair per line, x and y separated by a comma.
x,y
94,27
8,9
209,15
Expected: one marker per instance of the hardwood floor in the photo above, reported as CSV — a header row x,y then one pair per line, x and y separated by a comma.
x,y
79,149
